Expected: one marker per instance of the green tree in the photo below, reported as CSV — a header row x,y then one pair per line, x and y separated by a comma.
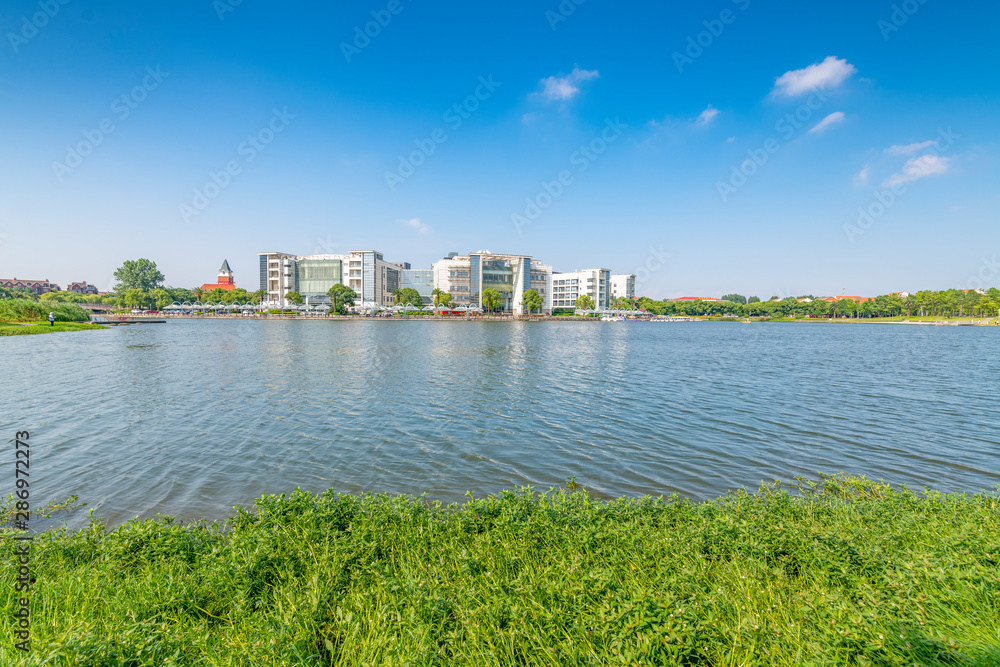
x,y
409,297
162,297
135,298
140,274
197,292
531,300
584,302
735,298
294,297
180,295
342,297
490,300
753,299
445,299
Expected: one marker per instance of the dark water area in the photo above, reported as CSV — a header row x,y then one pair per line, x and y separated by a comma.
x,y
191,418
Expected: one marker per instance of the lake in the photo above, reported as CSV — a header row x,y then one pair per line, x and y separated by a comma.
x,y
192,417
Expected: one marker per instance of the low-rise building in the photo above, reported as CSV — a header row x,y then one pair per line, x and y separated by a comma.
x,y
82,288
36,286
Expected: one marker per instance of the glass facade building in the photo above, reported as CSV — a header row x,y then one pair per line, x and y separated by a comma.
x,y
420,280
315,277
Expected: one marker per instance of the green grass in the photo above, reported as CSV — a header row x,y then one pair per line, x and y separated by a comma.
x,y
23,310
10,329
844,572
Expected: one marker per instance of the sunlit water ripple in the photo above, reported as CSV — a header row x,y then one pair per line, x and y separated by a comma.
x,y
193,417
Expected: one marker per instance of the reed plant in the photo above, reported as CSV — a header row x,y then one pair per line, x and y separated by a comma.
x,y
23,310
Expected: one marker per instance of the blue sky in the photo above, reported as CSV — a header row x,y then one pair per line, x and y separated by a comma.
x,y
297,128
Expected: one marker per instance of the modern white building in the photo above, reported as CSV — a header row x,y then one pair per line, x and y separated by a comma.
x,y
623,285
465,277
541,282
364,271
568,287
453,274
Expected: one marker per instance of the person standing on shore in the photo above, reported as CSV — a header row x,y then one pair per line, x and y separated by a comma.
x,y
52,319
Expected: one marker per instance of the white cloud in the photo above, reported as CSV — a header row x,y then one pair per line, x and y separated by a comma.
x,y
908,149
863,176
826,75
707,116
730,140
566,87
416,224
920,167
835,118
529,118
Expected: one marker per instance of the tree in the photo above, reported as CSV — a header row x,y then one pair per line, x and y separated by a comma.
x,y
342,297
198,292
531,300
135,298
753,299
140,274
180,294
490,300
445,299
584,302
294,297
162,297
623,303
735,298
437,294
409,297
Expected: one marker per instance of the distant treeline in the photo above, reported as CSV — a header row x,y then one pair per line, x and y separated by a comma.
x,y
947,303
138,298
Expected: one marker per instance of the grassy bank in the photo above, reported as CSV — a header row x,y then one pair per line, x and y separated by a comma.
x,y
11,329
845,572
22,310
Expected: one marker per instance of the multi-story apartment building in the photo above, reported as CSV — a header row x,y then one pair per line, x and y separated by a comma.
x,y
36,286
82,288
568,287
364,271
623,285
465,277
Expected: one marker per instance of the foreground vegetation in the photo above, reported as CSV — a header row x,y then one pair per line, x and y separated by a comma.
x,y
8,329
847,571
24,310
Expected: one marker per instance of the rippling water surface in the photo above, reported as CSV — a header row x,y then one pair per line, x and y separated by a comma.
x,y
193,417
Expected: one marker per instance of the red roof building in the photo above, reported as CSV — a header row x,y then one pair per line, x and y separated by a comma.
x,y
226,280
36,286
697,298
82,288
